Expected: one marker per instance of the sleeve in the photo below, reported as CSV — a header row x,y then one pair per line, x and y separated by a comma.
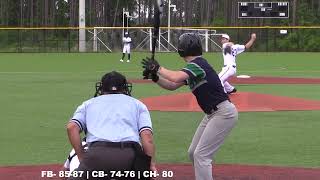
x,y
144,120
224,45
239,48
79,117
194,70
126,40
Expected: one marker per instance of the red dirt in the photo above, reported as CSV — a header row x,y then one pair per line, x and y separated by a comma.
x,y
182,172
258,80
274,80
244,101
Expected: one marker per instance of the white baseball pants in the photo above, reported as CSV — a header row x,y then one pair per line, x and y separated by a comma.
x,y
126,49
226,72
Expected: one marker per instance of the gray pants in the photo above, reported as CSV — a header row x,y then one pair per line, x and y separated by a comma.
x,y
209,136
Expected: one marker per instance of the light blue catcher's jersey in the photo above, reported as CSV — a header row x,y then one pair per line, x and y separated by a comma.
x,y
112,117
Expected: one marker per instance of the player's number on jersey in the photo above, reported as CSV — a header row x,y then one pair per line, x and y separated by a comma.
x,y
234,52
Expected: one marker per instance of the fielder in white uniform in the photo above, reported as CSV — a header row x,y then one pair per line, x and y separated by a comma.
x,y
229,52
126,40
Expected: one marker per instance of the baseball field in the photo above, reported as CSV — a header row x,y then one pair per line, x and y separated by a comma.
x,y
39,93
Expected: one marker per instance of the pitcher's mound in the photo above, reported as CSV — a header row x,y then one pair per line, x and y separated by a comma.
x,y
244,101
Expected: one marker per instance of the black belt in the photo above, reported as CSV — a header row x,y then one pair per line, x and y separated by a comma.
x,y
215,108
127,144
232,66
212,110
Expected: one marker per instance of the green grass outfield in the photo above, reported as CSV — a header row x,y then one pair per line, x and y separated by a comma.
x,y
39,93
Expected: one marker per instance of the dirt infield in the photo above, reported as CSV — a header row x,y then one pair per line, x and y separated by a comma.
x,y
244,101
181,172
258,80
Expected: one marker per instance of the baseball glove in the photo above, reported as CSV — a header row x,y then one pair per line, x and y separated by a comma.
x,y
227,50
149,75
151,67
150,64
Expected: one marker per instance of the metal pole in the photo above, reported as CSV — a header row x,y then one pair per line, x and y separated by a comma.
x,y
95,43
159,40
267,41
150,36
69,45
169,16
206,40
127,24
82,25
122,22
21,24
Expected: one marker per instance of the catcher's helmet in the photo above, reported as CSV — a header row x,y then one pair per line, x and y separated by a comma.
x,y
189,45
113,83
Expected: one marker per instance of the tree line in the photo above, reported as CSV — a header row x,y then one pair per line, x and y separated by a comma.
x,y
65,13
40,13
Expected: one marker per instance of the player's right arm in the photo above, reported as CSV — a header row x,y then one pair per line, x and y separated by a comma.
x,y
165,78
124,40
148,147
75,140
146,135
251,41
76,125
171,80
169,85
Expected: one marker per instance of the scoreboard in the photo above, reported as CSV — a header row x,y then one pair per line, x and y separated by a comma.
x,y
263,9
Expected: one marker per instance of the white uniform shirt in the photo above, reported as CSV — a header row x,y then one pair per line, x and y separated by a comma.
x,y
126,45
112,117
230,59
126,41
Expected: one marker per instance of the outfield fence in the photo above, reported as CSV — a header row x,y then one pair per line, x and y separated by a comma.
x,y
109,39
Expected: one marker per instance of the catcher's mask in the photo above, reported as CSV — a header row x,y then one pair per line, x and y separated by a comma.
x,y
189,45
113,83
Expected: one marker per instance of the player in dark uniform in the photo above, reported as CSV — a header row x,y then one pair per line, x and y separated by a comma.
x,y
220,114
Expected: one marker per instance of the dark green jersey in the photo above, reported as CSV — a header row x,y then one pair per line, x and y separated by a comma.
x,y
205,84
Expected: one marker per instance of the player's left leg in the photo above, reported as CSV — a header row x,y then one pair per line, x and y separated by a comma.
x,y
123,54
218,128
224,75
124,50
229,88
129,55
196,137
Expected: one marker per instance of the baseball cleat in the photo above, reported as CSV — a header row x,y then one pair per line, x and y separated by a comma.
x,y
128,60
121,60
233,91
